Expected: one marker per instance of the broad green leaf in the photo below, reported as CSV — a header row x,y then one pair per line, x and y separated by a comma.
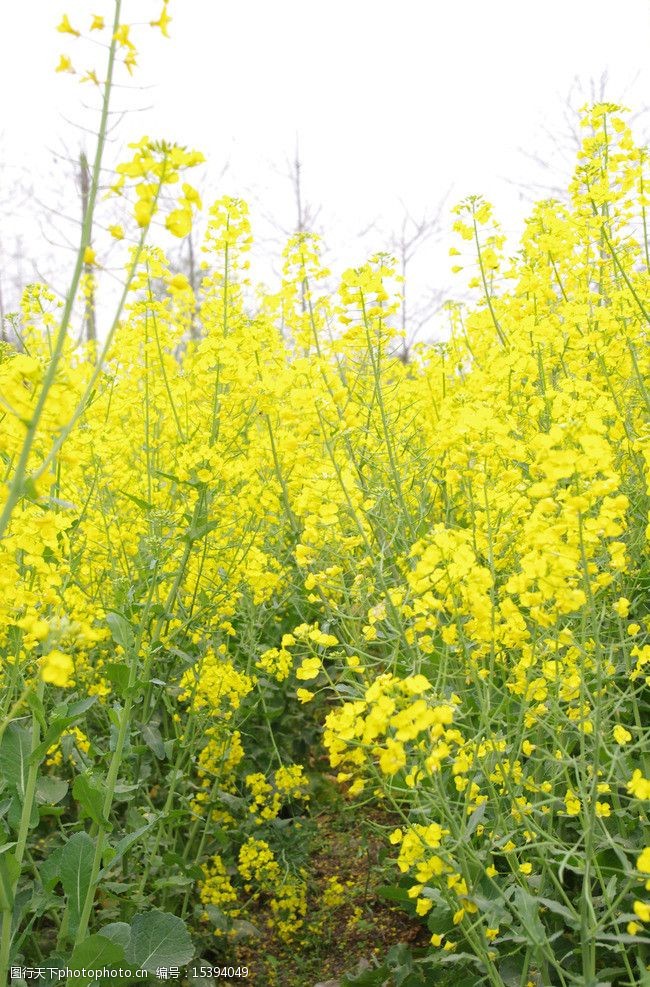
x,y
121,630
118,675
570,917
91,798
232,801
24,901
36,705
390,892
117,932
241,929
366,976
15,749
475,819
510,972
153,740
9,873
49,870
49,791
92,954
76,863
526,909
15,813
218,918
82,706
63,718
158,939
125,844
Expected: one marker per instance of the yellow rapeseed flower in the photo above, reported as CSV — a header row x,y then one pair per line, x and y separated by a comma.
x,y
65,65
57,668
639,786
572,803
65,27
309,669
643,861
179,222
122,36
163,21
621,735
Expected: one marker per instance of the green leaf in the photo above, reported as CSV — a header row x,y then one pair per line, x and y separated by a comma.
x,y
36,706
121,630
49,791
510,971
170,476
118,675
76,863
63,718
345,690
15,749
159,939
94,953
28,487
390,892
117,932
199,531
125,844
9,873
144,504
153,740
366,976
91,799
475,819
232,801
241,929
570,918
49,870
24,901
625,937
15,813
81,706
526,908
218,918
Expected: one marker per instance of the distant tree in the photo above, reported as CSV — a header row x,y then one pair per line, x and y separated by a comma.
x,y
15,271
405,243
305,215
185,258
90,315
562,139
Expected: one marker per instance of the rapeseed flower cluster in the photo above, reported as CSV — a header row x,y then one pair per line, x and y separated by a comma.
x,y
257,515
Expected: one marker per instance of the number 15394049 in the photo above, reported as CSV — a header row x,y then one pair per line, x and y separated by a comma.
x,y
239,972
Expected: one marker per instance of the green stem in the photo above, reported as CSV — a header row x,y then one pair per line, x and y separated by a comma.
x,y
113,770
488,297
21,843
17,484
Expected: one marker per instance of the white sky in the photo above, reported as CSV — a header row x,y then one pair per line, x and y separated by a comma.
x,y
391,101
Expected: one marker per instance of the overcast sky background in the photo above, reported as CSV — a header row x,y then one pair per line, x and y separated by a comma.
x,y
393,105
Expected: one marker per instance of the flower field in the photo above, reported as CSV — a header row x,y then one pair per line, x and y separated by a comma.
x,y
254,572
